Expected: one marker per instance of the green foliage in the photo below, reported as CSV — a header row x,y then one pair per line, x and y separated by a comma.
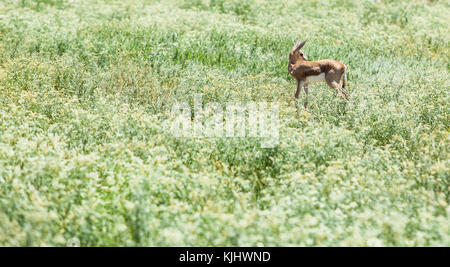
x,y
87,86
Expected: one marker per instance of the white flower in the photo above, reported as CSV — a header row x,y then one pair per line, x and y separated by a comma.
x,y
374,242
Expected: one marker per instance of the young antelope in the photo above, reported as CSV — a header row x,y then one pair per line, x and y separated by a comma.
x,y
305,72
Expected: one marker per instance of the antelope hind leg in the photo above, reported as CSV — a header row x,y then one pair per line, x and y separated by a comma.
x,y
335,85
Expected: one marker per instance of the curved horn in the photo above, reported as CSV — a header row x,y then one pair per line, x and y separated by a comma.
x,y
301,45
296,45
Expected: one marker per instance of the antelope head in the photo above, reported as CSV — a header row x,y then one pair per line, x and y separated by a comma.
x,y
296,54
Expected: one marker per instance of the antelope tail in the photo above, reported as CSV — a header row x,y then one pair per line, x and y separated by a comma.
x,y
344,80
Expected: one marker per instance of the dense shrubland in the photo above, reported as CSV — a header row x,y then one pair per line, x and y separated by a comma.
x,y
87,85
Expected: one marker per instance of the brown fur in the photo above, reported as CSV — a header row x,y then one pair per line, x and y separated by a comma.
x,y
300,69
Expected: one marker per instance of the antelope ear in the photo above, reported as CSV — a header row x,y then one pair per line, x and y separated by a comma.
x,y
301,45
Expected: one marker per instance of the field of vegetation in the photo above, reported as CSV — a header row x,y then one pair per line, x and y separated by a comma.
x,y
85,88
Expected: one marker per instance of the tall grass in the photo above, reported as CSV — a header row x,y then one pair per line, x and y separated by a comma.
x,y
87,85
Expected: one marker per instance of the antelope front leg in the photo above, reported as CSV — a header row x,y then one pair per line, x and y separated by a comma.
x,y
297,93
299,88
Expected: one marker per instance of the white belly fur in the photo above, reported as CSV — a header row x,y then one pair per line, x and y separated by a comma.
x,y
316,78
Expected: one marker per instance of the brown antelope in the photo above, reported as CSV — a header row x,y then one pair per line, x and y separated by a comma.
x,y
305,71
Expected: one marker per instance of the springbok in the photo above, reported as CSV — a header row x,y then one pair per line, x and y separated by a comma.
x,y
304,71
